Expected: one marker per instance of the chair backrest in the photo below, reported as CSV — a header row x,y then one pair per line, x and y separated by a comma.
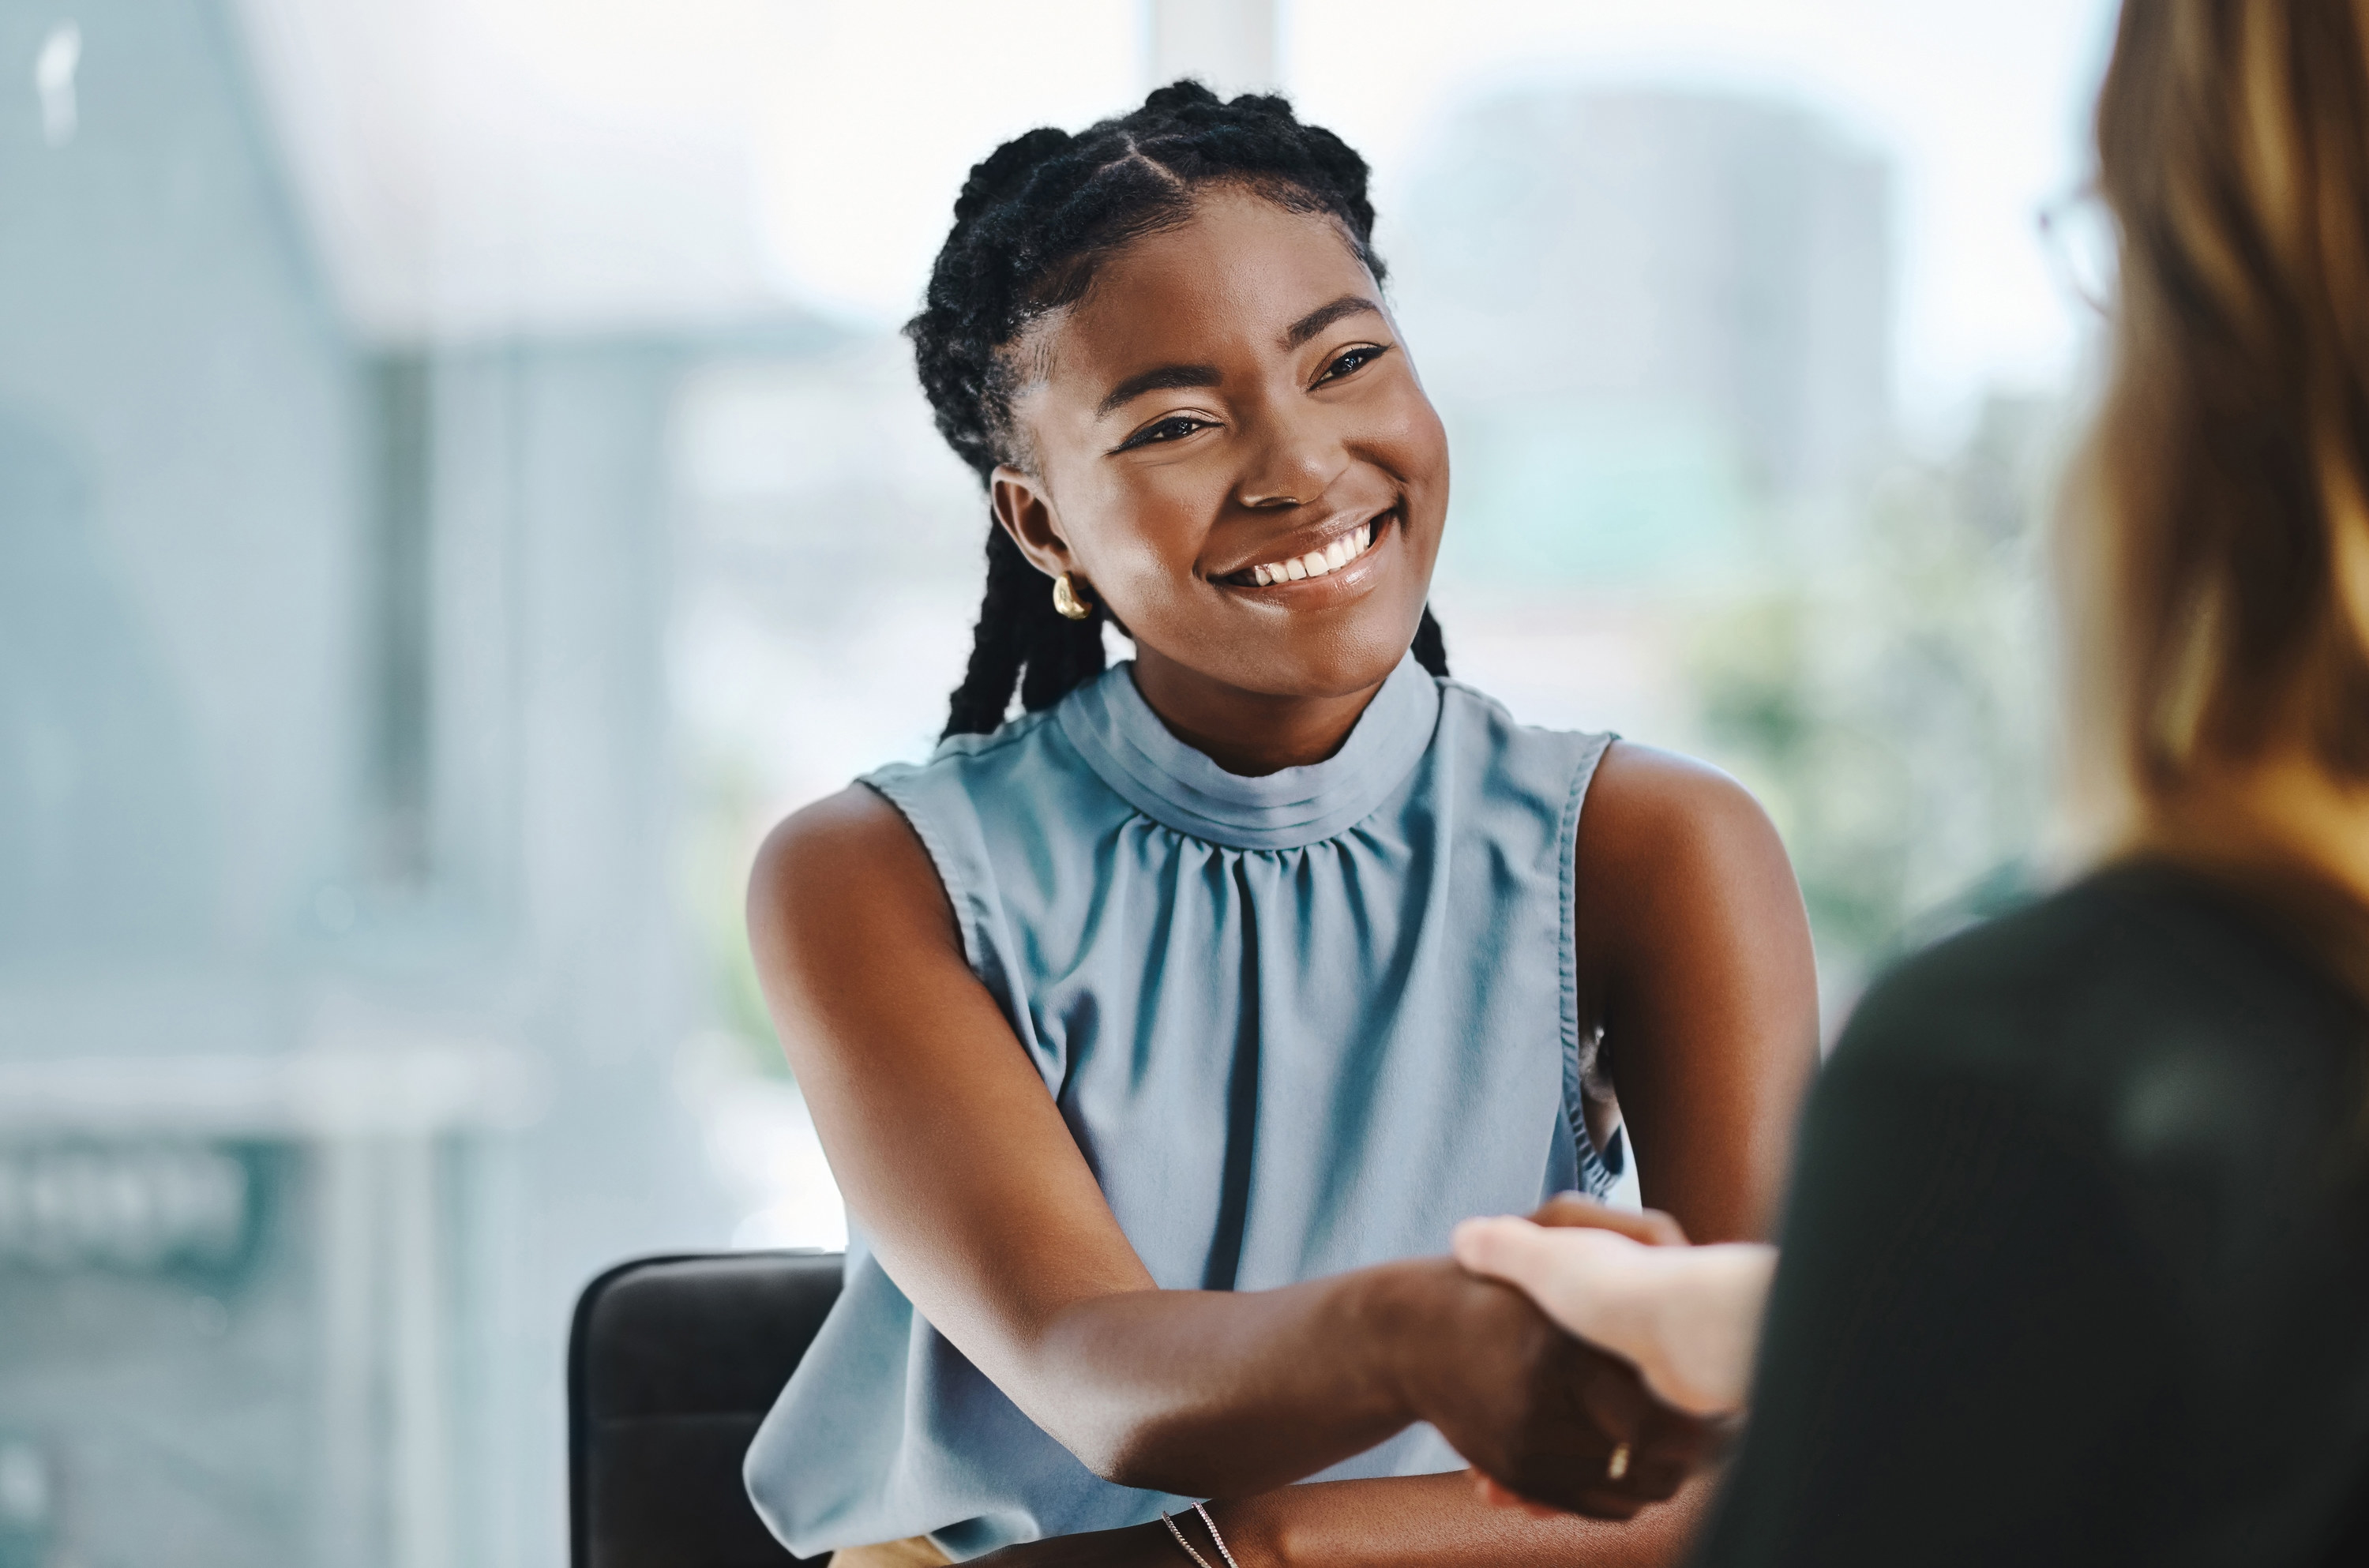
x,y
672,1364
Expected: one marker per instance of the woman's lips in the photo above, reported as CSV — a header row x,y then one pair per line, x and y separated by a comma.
x,y
1316,563
1344,550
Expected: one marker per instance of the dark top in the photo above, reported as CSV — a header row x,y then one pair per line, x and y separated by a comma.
x,y
2076,1261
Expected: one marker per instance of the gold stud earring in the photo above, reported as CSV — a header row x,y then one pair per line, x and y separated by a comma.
x,y
1066,598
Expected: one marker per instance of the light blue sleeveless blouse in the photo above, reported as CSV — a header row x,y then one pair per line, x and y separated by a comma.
x,y
1298,1024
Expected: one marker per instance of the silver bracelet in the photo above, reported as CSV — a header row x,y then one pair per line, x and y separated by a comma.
x,y
1216,1537
1199,1560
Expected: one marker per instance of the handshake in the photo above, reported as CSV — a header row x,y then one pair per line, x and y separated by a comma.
x,y
1660,1345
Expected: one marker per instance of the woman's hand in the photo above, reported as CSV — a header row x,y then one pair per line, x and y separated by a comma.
x,y
1545,1416
1687,1318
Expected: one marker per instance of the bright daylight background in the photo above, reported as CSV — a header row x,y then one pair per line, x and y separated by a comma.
x,y
460,482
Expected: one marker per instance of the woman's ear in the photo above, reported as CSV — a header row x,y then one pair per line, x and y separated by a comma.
x,y
1025,511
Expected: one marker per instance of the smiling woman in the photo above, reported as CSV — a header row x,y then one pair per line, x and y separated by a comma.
x,y
1158,1036
1217,489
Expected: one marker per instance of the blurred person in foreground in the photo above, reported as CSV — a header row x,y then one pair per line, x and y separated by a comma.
x,y
2076,1267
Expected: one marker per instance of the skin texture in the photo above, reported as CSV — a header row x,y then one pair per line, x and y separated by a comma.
x,y
1694,959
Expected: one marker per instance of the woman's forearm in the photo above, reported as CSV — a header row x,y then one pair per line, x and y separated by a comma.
x,y
1208,1393
1441,1521
1220,1395
1215,1394
1421,1521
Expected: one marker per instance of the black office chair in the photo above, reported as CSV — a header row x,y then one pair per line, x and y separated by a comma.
x,y
672,1364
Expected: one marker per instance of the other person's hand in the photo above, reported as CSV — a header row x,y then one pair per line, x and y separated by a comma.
x,y
1687,1318
1567,1211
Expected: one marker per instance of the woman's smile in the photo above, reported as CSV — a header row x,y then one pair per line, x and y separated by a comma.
x,y
1320,564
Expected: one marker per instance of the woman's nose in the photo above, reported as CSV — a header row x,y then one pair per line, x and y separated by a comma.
x,y
1294,466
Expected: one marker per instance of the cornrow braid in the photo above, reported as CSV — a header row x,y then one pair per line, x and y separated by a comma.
x,y
1034,220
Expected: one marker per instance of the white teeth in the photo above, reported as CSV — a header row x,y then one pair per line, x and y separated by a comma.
x,y
1317,562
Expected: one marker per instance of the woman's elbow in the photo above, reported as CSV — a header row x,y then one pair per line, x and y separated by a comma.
x,y
1135,1455
1151,1453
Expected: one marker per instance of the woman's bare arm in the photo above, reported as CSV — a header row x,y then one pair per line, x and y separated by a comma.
x,y
1694,956
1419,1521
956,1162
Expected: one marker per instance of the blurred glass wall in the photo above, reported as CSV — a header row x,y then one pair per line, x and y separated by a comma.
x,y
460,484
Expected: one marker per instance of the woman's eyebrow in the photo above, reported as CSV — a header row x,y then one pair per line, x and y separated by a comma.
x,y
1161,378
1322,317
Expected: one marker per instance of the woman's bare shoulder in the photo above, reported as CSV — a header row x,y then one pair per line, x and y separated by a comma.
x,y
1680,875
1651,809
849,860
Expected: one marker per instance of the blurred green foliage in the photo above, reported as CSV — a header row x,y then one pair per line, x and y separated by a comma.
x,y
1888,694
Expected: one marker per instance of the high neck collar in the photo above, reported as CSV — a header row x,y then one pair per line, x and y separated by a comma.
x,y
1124,741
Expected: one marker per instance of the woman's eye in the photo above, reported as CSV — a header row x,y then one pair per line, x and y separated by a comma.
x,y
1351,362
1175,428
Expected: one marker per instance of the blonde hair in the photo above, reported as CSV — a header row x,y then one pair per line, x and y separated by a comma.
x,y
2222,557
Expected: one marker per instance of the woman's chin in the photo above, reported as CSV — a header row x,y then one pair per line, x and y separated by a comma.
x,y
1340,662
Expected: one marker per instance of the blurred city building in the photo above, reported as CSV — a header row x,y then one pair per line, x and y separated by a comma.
x,y
1651,319
340,977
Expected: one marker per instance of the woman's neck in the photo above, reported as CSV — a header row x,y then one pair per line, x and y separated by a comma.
x,y
1250,733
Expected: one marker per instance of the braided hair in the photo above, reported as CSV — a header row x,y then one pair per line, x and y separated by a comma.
x,y
1032,222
